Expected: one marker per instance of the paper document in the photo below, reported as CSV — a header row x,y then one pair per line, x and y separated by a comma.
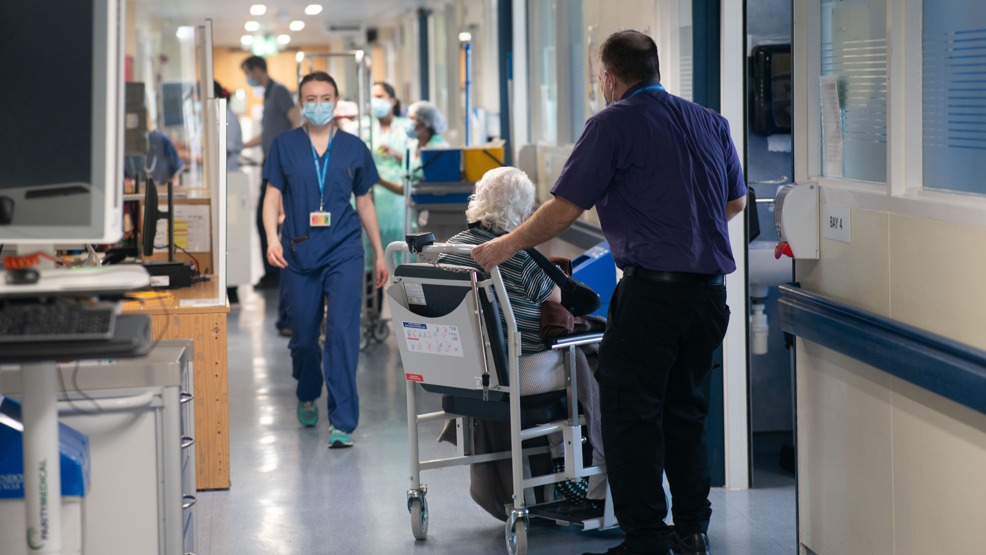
x,y
192,228
432,339
831,126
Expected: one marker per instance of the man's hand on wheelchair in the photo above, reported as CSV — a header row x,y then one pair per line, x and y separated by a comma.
x,y
493,253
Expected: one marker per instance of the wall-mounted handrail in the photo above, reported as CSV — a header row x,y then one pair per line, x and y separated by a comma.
x,y
944,366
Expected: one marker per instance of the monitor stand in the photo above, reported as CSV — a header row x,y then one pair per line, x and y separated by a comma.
x,y
39,375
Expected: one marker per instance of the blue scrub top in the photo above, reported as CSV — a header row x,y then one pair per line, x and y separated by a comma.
x,y
290,168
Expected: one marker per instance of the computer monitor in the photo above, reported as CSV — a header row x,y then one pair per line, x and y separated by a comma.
x,y
135,121
151,216
61,148
173,97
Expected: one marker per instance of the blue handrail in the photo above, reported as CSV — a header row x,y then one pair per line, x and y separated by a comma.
x,y
941,365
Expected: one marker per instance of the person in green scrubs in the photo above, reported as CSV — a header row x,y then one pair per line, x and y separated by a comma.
x,y
426,124
389,145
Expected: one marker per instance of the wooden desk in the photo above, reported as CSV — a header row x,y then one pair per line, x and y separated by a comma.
x,y
207,327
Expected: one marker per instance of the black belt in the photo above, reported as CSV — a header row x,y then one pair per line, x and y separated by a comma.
x,y
674,277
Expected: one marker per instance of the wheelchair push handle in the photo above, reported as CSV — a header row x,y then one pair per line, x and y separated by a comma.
x,y
430,251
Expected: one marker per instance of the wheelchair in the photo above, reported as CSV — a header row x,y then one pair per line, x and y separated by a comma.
x,y
451,342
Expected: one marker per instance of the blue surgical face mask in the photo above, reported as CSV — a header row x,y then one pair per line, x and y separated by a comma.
x,y
318,113
381,107
252,82
409,128
611,101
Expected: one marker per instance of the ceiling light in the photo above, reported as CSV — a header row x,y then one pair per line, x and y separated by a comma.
x,y
252,26
299,57
296,25
258,9
465,36
313,9
246,39
185,32
283,39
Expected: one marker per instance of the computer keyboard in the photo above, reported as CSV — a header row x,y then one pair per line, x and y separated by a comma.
x,y
55,322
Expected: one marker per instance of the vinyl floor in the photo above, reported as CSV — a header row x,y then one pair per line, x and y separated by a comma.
x,y
291,495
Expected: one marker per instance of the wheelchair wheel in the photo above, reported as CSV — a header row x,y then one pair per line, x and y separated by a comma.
x,y
381,332
364,341
516,538
419,518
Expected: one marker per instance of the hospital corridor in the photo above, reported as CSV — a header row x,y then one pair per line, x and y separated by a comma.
x,y
463,277
292,495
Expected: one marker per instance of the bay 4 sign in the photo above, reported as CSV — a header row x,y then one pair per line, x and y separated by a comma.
x,y
432,339
836,223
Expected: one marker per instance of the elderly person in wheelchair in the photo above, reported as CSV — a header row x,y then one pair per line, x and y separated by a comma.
x,y
504,199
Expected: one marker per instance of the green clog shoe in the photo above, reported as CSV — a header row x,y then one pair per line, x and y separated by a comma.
x,y
338,439
308,413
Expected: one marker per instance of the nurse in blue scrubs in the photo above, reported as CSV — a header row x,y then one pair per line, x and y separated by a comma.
x,y
317,169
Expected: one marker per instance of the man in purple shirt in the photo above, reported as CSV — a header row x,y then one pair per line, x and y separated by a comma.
x,y
665,179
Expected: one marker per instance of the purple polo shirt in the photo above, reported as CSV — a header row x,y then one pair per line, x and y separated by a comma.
x,y
659,170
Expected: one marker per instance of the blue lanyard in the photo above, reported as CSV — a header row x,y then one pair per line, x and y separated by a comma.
x,y
650,88
322,172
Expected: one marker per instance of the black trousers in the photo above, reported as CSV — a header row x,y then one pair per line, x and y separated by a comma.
x,y
655,367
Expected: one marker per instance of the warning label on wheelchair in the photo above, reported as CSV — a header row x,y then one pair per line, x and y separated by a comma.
x,y
433,339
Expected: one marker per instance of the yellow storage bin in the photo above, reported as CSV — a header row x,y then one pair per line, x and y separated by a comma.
x,y
480,159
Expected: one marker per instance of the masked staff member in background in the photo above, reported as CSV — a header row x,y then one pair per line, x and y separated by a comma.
x,y
390,144
665,178
317,169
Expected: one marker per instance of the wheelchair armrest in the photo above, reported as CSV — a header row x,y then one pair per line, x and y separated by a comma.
x,y
576,339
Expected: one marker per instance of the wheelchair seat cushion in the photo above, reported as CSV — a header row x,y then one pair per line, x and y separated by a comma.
x,y
542,372
534,409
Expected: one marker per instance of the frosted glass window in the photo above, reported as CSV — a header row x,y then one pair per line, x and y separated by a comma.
x,y
544,76
954,95
854,50
686,59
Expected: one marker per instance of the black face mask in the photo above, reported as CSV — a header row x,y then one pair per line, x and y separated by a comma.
x,y
577,297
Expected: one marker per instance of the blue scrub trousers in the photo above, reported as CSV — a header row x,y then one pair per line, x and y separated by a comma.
x,y
283,307
337,287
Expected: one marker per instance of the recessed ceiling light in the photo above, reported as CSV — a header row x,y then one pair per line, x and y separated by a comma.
x,y
246,39
296,25
465,36
258,9
252,26
313,9
185,32
283,39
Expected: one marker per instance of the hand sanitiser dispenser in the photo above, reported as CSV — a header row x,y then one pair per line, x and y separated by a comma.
x,y
796,220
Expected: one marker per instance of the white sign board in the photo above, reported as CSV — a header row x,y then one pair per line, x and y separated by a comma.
x,y
432,339
836,223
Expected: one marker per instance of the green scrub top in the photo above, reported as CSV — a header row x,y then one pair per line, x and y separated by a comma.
x,y
389,205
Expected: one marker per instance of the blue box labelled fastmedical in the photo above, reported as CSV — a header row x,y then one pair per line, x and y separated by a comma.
x,y
73,446
596,268
441,165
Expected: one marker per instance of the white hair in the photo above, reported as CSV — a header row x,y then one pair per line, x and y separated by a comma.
x,y
504,198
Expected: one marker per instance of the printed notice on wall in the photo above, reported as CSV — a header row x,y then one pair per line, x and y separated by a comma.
x,y
192,228
432,339
836,223
831,126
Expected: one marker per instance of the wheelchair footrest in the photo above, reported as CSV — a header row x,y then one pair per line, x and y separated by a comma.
x,y
567,512
534,409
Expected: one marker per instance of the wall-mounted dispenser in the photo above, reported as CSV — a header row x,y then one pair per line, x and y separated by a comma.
x,y
796,220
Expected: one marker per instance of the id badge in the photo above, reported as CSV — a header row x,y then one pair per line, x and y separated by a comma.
x,y
320,219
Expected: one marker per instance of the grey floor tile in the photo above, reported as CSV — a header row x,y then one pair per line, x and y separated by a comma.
x,y
293,496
